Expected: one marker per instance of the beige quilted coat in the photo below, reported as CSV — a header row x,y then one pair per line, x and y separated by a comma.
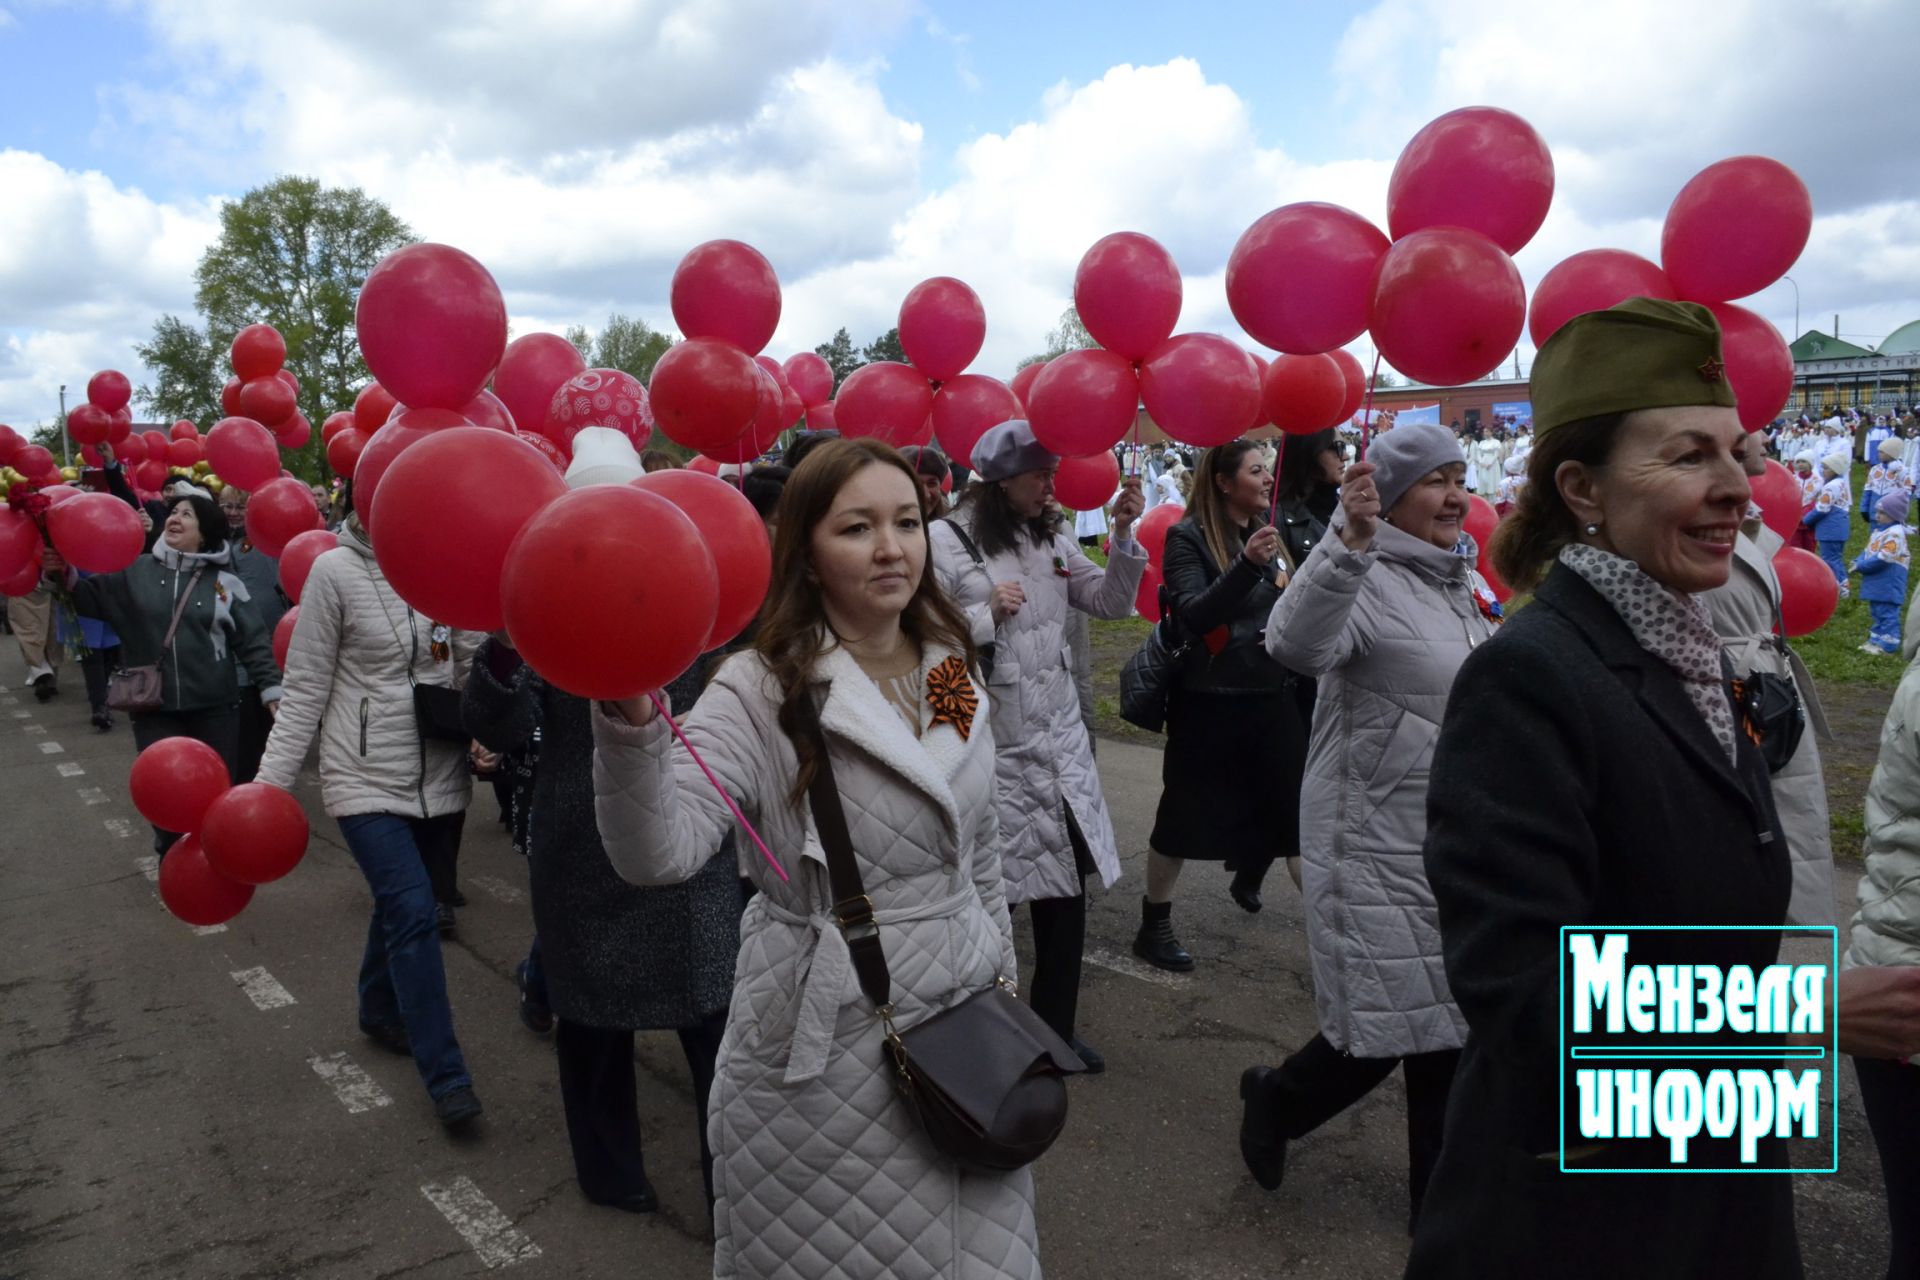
x,y
819,1168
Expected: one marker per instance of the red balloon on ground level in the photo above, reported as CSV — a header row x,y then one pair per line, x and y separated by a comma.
x,y
736,537
193,891
254,833
174,780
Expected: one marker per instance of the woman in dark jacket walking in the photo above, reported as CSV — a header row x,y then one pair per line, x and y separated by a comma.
x,y
1234,733
616,958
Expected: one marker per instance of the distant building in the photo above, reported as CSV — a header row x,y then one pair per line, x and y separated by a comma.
x,y
1830,372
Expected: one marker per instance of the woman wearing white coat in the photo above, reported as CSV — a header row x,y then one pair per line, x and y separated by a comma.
x,y
820,1168
1004,561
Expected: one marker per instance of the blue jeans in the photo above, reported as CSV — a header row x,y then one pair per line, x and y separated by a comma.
x,y
1835,554
1884,630
402,979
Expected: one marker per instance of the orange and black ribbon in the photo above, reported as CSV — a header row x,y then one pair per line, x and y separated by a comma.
x,y
950,691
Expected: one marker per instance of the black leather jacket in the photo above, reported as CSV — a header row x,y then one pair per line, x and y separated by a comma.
x,y
1233,605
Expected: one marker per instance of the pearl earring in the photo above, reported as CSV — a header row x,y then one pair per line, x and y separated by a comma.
x,y
1593,528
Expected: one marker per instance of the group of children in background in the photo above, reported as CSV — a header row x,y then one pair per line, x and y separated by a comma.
x,y
1825,502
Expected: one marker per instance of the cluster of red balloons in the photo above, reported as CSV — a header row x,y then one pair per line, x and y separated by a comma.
x,y
105,417
263,391
237,837
1735,228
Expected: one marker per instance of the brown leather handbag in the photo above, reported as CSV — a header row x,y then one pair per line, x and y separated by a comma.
x,y
134,689
986,1078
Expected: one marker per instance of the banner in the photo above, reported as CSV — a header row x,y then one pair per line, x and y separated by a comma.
x,y
1515,410
1419,413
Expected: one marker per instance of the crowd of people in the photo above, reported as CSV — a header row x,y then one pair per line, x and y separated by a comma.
x,y
1447,786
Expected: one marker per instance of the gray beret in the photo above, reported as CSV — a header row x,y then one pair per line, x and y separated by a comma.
x,y
1407,452
1010,450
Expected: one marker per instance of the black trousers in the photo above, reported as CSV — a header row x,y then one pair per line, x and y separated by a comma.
x,y
1319,1082
439,841
603,1112
256,724
1059,943
95,667
1890,1091
218,727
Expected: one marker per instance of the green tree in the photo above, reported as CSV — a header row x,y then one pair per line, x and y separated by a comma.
x,y
582,339
1069,335
294,254
188,373
840,356
632,346
885,347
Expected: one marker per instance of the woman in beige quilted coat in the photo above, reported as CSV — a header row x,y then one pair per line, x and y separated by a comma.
x,y
820,1169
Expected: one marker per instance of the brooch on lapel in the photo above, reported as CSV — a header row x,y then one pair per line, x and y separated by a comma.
x,y
950,692
1060,568
1490,607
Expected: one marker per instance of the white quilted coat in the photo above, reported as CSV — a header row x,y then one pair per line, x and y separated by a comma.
x,y
819,1168
1046,757
1386,631
346,682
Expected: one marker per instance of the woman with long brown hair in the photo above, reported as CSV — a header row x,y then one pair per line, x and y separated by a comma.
x,y
809,1139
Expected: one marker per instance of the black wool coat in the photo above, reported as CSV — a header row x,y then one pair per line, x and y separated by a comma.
x,y
615,955
1574,783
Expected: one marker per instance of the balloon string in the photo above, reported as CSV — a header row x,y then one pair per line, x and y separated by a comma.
x,y
1279,453
739,817
1366,413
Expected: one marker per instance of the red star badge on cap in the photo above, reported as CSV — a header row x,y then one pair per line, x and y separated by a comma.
x,y
1712,371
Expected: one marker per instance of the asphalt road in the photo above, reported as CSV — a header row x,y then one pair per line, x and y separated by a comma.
x,y
182,1103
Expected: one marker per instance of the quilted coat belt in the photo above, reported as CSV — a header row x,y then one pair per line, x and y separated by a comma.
x,y
830,977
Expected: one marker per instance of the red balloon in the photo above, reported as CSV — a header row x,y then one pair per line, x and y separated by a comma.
x,y
1480,168
33,461
193,891
820,417
1083,401
446,513
1127,291
610,592
1147,598
727,290
735,536
1777,494
372,407
1298,279
1759,365
10,444
109,390
704,465
792,409
24,581
1150,531
184,430
19,543
230,399
335,424
91,456
254,833
1356,382
758,434
242,452
278,512
297,557
1809,592
157,442
942,326
1303,394
1592,281
268,401
258,351
432,325
965,408
343,453
533,368
294,432
283,636
131,450
174,780
152,473
96,532
406,427
486,410
598,398
59,493
183,453
1086,484
89,423
886,400
1023,380
122,419
287,376
546,448
1448,306
1201,389
1481,519
811,376
1735,228
705,392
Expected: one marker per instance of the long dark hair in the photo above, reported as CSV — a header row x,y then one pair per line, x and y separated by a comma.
x,y
997,528
1526,543
793,628
1298,476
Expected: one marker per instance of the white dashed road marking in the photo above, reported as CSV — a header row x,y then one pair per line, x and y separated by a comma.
x,y
119,827
148,866
356,1089
31,729
1132,968
202,930
92,795
52,749
490,1233
21,715
263,989
68,769
499,890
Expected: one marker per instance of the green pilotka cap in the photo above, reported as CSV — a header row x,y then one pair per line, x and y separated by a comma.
x,y
1644,353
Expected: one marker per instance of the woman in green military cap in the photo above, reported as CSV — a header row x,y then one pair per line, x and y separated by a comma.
x,y
1592,769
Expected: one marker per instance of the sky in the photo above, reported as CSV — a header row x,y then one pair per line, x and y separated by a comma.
x,y
578,148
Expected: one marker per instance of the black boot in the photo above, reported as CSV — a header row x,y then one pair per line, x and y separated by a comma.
x,y
1245,890
1262,1145
1155,942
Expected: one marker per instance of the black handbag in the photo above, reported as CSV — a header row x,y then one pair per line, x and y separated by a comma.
x,y
983,652
436,708
986,1078
1146,679
1770,707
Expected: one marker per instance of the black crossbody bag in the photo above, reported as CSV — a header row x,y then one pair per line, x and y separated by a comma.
x,y
1771,707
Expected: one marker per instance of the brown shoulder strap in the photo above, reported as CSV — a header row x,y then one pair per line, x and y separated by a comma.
x,y
179,608
852,908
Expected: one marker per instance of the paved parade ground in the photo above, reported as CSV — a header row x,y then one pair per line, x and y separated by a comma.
x,y
183,1102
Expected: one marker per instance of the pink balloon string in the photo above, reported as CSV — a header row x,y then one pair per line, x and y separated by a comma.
x,y
1279,453
739,817
1366,412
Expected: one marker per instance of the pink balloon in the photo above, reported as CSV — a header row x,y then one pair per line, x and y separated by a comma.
x,y
242,452
966,408
1480,168
432,325
1809,592
705,392
1083,401
1127,291
704,465
24,581
1303,394
532,369
1085,484
727,290
1356,382
1777,494
230,398
759,434
811,376
297,557
1759,365
343,453
109,390
1201,389
1592,281
96,532
599,398
1023,380
885,400
1298,279
1448,306
1735,228
942,326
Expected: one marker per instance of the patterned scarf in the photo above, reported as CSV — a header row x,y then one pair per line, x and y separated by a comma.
x,y
1670,625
